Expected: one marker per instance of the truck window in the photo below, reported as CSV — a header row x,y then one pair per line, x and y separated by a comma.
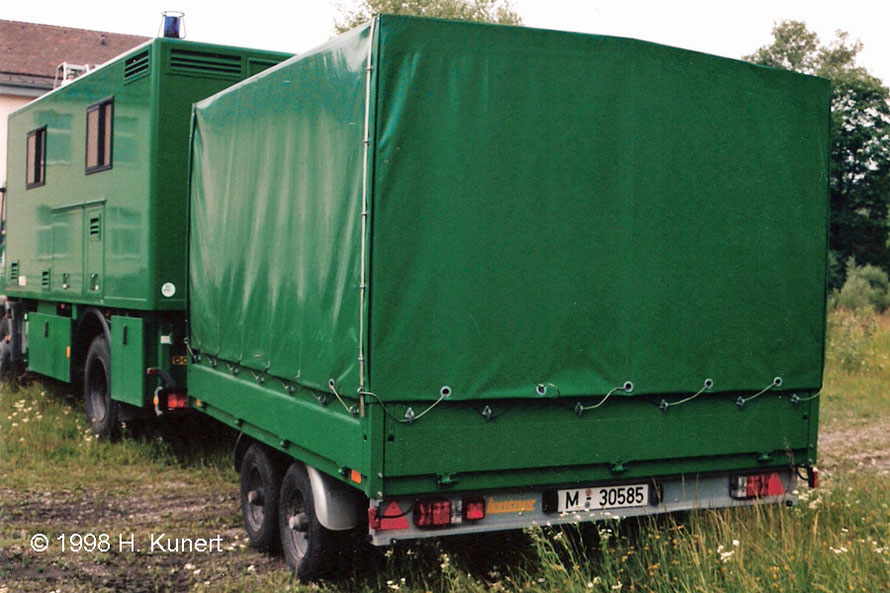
x,y
100,118
35,166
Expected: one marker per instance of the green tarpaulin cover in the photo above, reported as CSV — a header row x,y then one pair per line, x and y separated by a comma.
x,y
544,209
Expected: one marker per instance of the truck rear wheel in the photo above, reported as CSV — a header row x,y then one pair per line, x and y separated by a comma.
x,y
309,549
7,368
260,486
101,409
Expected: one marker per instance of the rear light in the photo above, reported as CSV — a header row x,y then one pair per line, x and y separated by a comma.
x,y
474,508
432,513
812,477
176,400
756,486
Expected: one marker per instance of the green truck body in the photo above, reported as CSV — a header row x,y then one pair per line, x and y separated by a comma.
x,y
86,239
438,263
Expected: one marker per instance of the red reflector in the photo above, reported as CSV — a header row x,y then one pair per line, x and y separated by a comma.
x,y
474,509
764,485
176,400
775,486
432,513
392,518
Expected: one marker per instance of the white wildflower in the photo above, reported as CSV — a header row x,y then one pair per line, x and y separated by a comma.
x,y
841,550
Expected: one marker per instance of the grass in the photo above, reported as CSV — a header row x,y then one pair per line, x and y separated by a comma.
x,y
44,429
857,373
54,477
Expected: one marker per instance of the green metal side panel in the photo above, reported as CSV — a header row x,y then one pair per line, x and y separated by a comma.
x,y
187,73
67,250
49,338
276,218
44,232
577,211
626,434
128,379
133,238
326,437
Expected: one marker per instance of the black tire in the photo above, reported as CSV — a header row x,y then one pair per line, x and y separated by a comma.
x,y
309,549
8,373
260,486
102,411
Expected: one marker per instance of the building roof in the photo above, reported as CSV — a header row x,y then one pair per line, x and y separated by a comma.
x,y
30,53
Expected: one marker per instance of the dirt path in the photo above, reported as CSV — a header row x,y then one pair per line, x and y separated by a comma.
x,y
864,446
168,509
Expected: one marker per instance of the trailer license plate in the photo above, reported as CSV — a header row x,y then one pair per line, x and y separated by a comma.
x,y
604,497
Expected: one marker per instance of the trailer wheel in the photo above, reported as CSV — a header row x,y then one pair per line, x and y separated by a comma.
x,y
101,409
260,486
309,549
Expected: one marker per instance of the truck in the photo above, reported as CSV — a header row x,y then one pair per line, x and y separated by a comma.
x,y
96,219
448,278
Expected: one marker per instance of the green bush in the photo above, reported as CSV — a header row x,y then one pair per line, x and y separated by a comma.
x,y
866,287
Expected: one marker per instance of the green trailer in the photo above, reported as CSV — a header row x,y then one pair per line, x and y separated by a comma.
x,y
97,207
449,278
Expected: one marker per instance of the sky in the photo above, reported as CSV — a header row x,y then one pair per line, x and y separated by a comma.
x,y
731,29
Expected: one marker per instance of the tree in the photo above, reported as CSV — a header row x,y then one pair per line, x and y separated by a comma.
x,y
484,11
859,184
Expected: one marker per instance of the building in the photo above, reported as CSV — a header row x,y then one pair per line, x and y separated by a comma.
x,y
35,58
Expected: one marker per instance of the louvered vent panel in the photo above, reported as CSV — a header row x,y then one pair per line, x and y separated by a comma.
x,y
14,271
44,279
197,63
137,66
95,227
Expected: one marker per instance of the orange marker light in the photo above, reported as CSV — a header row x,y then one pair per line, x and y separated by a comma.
x,y
355,477
67,351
